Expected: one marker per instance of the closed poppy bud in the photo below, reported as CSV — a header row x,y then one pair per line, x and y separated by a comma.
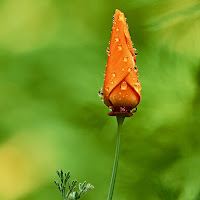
x,y
122,89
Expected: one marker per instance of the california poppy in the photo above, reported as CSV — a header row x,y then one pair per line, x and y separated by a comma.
x,y
122,89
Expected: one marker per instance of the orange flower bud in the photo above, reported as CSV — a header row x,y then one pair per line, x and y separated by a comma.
x,y
122,89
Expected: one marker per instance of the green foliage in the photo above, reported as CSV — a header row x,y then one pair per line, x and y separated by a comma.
x,y
72,193
166,192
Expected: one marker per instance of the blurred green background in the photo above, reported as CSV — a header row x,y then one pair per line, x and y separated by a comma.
x,y
52,56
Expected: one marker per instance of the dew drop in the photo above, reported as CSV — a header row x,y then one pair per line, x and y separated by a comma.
x,y
129,69
108,53
121,16
119,47
106,64
122,69
124,85
136,68
125,58
117,29
138,81
138,74
107,88
100,93
122,109
113,28
116,38
134,110
104,73
120,99
112,82
135,51
133,78
111,108
113,74
120,93
107,49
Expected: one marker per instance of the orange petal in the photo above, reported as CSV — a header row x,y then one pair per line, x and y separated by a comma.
x,y
120,67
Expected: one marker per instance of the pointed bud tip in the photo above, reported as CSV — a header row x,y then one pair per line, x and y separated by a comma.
x,y
117,11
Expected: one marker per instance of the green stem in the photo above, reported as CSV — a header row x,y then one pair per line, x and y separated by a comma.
x,y
120,120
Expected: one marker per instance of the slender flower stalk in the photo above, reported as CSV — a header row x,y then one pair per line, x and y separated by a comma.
x,y
120,120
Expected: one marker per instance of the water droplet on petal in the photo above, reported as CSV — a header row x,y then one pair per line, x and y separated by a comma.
x,y
110,108
116,38
125,58
117,29
122,109
136,68
133,78
113,74
107,49
138,81
113,28
112,82
120,99
138,74
119,47
122,69
124,85
120,93
121,16
129,69
135,51
108,53
107,88
106,64
104,73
